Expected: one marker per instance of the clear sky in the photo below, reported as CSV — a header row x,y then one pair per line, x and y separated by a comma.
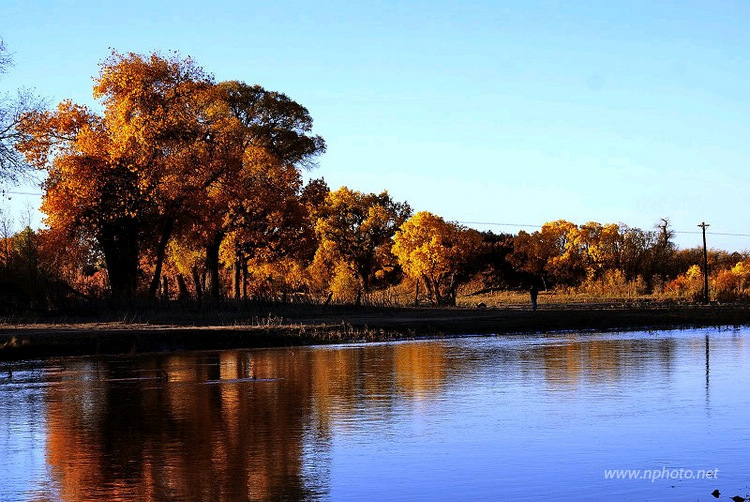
x,y
480,111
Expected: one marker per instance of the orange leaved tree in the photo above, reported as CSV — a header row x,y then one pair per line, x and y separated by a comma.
x,y
437,252
173,155
122,177
356,229
260,143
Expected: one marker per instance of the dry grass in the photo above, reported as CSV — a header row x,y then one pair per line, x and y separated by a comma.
x,y
259,325
509,299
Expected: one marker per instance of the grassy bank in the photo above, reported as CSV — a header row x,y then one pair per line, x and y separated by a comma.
x,y
279,325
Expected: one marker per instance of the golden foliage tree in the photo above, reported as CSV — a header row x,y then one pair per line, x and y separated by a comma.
x,y
357,228
436,252
172,154
555,251
263,142
122,177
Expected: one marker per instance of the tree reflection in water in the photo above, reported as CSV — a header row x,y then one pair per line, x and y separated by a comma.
x,y
261,424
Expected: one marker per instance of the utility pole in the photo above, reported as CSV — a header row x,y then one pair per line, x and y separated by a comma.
x,y
703,226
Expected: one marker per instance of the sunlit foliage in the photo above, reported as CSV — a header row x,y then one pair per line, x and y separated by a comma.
x,y
437,252
355,231
191,190
172,155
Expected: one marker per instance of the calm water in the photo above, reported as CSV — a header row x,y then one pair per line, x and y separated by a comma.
x,y
495,418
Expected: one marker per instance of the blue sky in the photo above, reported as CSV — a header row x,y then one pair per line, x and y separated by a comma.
x,y
508,112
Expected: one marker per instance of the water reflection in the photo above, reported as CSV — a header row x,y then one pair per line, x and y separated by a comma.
x,y
293,424
158,428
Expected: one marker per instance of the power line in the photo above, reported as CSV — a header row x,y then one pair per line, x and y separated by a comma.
x,y
23,193
726,234
527,225
499,224
495,224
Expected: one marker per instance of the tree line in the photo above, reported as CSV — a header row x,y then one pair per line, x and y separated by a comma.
x,y
184,188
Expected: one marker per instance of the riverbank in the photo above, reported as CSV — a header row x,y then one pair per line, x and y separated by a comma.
x,y
290,325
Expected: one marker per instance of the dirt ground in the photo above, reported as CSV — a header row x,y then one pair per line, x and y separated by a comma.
x,y
285,325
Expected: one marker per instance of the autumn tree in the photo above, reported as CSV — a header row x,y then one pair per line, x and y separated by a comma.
x,y
529,254
555,252
601,246
493,268
172,153
263,221
634,253
436,252
261,142
156,113
356,229
650,255
121,177
567,254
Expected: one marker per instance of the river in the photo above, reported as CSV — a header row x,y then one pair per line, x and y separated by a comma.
x,y
543,417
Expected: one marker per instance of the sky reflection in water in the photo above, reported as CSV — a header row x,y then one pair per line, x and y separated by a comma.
x,y
515,418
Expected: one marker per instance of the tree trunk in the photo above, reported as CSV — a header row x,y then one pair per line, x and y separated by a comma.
x,y
197,283
161,250
244,281
212,267
432,291
236,278
184,294
449,299
119,243
365,277
239,267
165,288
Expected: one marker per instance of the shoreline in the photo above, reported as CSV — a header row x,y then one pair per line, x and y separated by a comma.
x,y
281,326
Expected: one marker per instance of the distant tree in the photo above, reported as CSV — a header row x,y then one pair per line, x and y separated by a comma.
x,y
438,253
530,254
662,251
357,229
5,59
556,253
493,269
601,246
567,254
635,255
567,263
6,232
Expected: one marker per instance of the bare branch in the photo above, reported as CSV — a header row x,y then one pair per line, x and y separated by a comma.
x,y
13,166
6,60
12,109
